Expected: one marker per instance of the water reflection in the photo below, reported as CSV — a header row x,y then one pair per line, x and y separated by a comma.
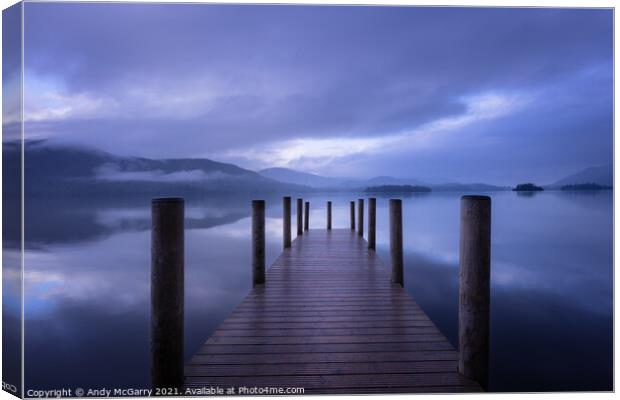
x,y
87,284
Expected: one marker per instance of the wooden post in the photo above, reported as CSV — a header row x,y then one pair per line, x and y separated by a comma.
x,y
329,215
258,242
360,217
299,217
352,215
307,216
475,288
167,292
396,240
286,206
372,223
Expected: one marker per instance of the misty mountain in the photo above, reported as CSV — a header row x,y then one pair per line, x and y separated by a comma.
x,y
288,175
53,168
601,175
63,169
388,180
303,178
323,182
467,187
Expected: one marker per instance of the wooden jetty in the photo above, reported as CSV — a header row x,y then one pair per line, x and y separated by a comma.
x,y
330,317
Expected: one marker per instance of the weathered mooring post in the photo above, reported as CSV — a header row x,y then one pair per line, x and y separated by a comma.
x,y
475,288
352,215
167,292
299,217
258,242
360,217
372,223
329,215
396,240
286,207
307,216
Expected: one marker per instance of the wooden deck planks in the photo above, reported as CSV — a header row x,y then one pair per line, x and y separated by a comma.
x,y
329,320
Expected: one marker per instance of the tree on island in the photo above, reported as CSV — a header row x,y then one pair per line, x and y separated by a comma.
x,y
527,187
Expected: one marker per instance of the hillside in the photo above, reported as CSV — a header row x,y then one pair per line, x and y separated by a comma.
x,y
303,178
389,189
323,182
78,170
601,175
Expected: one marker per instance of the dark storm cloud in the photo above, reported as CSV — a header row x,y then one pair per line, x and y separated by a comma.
x,y
336,82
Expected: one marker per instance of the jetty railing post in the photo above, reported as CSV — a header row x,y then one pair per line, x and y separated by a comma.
x,y
258,242
286,208
329,215
475,288
307,216
372,223
167,292
396,240
352,215
360,217
299,217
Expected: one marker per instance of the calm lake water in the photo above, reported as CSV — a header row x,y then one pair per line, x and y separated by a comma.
x,y
88,274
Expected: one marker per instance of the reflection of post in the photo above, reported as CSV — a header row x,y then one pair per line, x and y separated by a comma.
x,y
286,208
258,242
372,222
475,288
352,215
329,215
360,217
299,217
307,216
167,292
396,240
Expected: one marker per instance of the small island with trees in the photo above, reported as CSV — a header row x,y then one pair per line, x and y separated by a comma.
x,y
527,187
397,189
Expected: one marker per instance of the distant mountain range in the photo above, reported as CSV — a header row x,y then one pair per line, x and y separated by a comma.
x,y
302,178
323,182
53,168
78,170
601,175
317,181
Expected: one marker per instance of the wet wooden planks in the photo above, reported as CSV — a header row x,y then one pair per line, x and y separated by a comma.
x,y
329,320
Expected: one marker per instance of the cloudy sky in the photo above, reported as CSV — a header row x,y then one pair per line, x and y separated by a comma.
x,y
495,95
